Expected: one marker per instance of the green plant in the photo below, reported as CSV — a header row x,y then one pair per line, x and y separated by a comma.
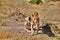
x,y
35,1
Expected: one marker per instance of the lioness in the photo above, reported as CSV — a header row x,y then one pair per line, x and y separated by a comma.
x,y
32,23
35,22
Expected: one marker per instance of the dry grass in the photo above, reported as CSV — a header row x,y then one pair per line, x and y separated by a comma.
x,y
6,35
46,11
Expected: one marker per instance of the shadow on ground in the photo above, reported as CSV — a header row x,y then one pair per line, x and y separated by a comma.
x,y
47,30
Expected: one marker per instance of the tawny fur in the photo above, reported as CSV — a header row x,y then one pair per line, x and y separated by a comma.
x,y
32,22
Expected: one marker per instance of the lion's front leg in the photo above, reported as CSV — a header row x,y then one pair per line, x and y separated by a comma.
x,y
37,28
32,30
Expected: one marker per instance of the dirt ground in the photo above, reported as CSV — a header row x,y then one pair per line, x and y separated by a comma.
x,y
13,30
10,29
